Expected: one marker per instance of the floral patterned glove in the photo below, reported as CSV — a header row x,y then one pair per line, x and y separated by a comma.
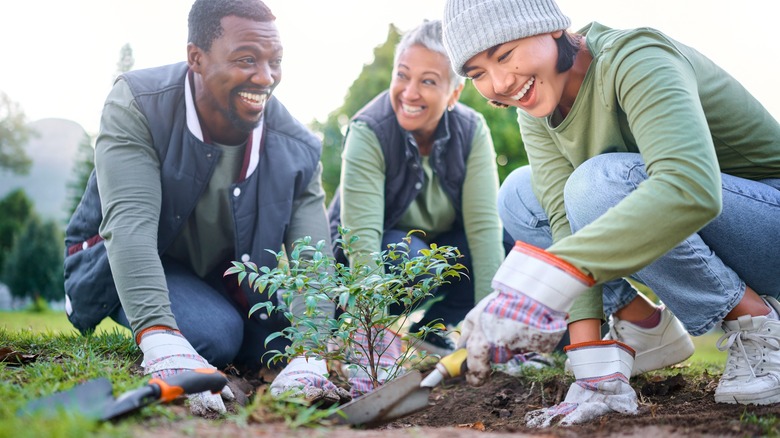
x,y
167,352
308,378
533,290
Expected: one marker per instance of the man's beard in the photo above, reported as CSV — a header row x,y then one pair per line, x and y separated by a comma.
x,y
231,113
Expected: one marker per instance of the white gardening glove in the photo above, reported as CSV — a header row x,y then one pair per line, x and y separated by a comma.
x,y
602,369
533,290
308,378
167,352
387,351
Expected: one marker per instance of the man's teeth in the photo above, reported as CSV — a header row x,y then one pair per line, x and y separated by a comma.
x,y
256,98
525,89
411,109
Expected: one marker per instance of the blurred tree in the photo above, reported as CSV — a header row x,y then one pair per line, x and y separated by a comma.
x,y
126,60
510,153
14,134
34,266
375,78
17,209
82,169
85,156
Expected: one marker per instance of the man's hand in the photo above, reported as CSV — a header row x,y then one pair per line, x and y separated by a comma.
x,y
602,369
308,378
387,350
533,290
167,352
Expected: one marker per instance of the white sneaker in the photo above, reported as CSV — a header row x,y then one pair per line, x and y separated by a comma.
x,y
752,374
664,345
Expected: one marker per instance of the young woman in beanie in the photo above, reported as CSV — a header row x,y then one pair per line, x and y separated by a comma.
x,y
647,161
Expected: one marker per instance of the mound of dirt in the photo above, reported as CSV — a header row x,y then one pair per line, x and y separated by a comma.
x,y
668,406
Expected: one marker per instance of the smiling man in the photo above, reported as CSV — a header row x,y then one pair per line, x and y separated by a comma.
x,y
197,165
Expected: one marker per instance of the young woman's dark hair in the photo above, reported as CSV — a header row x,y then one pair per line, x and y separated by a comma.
x,y
568,46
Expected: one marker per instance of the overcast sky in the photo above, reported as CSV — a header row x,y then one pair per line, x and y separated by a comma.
x,y
59,57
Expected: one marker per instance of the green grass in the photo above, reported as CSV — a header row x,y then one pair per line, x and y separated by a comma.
x,y
706,351
60,358
53,362
768,424
44,354
49,321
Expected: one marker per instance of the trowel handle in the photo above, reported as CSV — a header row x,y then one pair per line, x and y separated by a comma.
x,y
190,382
453,364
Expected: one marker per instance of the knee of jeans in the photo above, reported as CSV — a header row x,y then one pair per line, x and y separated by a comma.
x,y
599,184
520,212
509,194
219,345
515,197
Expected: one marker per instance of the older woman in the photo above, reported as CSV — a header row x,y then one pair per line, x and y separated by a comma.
x,y
416,159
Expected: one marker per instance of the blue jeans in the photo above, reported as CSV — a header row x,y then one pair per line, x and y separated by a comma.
x,y
216,327
702,278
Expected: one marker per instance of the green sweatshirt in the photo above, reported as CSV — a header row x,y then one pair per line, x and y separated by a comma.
x,y
689,119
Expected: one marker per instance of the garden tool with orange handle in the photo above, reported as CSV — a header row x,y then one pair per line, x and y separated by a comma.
x,y
94,399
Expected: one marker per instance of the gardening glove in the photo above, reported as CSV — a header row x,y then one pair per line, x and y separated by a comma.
x,y
387,351
166,353
602,369
533,290
307,378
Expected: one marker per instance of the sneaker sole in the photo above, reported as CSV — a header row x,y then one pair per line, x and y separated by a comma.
x,y
764,398
679,350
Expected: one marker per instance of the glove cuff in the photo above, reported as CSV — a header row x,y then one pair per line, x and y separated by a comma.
x,y
309,364
154,330
600,358
541,276
157,344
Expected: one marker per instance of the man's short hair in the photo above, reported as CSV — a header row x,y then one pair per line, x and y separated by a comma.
x,y
206,15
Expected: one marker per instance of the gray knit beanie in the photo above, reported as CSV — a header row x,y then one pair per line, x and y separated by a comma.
x,y
471,26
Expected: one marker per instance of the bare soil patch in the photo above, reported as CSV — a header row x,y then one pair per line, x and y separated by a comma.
x,y
671,404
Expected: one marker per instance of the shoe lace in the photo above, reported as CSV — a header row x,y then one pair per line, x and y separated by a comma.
x,y
745,350
612,334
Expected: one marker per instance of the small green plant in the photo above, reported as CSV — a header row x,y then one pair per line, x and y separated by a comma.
x,y
294,411
768,424
311,277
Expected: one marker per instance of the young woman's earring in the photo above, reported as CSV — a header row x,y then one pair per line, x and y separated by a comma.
x,y
450,108
497,104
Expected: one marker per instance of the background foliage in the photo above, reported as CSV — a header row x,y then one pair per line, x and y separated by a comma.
x,y
34,267
31,249
16,208
14,134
